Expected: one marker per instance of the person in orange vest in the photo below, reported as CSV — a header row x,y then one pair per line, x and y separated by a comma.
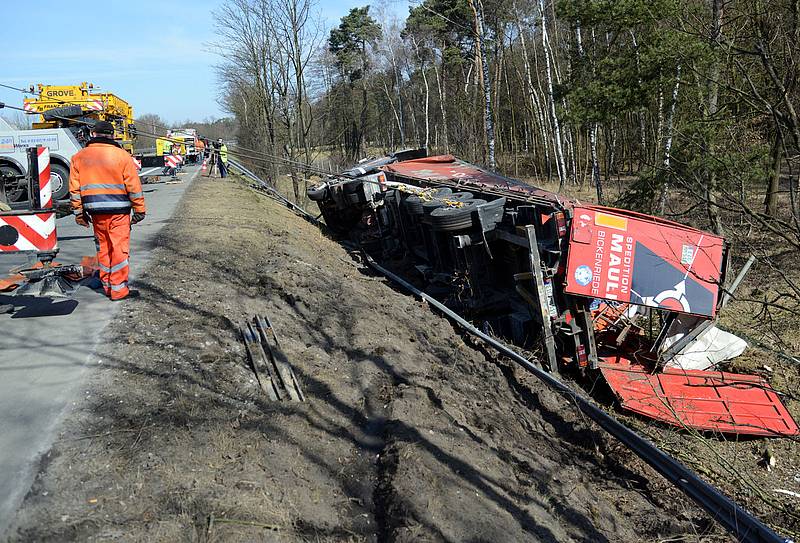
x,y
103,190
200,146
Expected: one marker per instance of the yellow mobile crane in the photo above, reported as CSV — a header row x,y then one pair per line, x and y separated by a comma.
x,y
74,106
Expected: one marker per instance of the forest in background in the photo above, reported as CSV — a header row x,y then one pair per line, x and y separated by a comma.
x,y
694,96
685,109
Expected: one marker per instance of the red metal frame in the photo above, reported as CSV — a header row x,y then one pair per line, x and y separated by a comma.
x,y
728,403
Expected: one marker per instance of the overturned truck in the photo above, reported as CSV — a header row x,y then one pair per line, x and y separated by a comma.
x,y
592,289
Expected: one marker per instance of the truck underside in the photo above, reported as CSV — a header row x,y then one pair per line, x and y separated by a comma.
x,y
592,290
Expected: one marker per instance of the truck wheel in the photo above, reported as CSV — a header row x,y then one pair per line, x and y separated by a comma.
x,y
59,181
318,193
15,192
449,219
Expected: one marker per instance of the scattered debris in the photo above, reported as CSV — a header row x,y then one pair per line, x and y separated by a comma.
x,y
768,459
273,372
787,492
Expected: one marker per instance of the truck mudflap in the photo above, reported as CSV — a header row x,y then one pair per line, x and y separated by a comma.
x,y
714,401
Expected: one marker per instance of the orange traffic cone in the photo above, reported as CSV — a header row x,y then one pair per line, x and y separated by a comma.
x,y
203,169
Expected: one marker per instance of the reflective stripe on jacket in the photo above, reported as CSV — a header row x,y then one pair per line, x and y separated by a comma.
x,y
103,179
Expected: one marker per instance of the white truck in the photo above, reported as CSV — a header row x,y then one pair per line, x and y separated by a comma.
x,y
14,163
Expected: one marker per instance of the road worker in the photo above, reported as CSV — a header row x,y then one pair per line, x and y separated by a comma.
x,y
223,158
200,146
103,190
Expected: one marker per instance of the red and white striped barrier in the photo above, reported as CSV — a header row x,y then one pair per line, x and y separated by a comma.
x,y
28,107
32,232
45,187
172,161
137,162
95,105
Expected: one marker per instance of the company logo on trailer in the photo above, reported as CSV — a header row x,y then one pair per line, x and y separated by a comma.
x,y
583,275
613,258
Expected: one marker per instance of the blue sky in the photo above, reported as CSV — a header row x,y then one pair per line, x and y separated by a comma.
x,y
149,52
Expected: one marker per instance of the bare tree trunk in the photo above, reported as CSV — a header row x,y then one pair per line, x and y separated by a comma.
x,y
477,11
536,107
553,117
398,83
660,113
427,93
394,111
640,114
662,202
596,181
771,197
440,84
713,97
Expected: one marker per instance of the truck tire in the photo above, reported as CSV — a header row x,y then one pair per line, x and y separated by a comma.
x,y
449,219
317,193
15,192
414,204
59,181
445,194
461,196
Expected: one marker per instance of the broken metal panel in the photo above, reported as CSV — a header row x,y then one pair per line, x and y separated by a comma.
x,y
727,403
627,257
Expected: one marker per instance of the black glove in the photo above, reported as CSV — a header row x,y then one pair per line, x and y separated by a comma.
x,y
83,220
137,217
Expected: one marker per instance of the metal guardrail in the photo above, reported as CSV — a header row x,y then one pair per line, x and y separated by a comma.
x,y
270,189
739,522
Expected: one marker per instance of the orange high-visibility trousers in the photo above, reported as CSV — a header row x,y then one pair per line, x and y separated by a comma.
x,y
113,233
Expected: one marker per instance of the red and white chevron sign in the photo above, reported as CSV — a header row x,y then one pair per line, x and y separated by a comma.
x,y
32,232
137,163
27,107
45,187
95,105
35,232
172,161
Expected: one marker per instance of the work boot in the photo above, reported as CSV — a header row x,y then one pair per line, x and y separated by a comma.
x,y
131,294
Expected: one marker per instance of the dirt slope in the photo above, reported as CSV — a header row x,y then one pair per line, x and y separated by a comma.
x,y
408,434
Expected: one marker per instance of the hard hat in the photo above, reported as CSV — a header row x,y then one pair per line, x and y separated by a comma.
x,y
219,140
103,127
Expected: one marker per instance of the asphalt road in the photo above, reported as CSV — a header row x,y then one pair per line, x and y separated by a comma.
x,y
45,346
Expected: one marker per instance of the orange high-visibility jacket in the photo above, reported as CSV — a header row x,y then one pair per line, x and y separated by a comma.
x,y
103,179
